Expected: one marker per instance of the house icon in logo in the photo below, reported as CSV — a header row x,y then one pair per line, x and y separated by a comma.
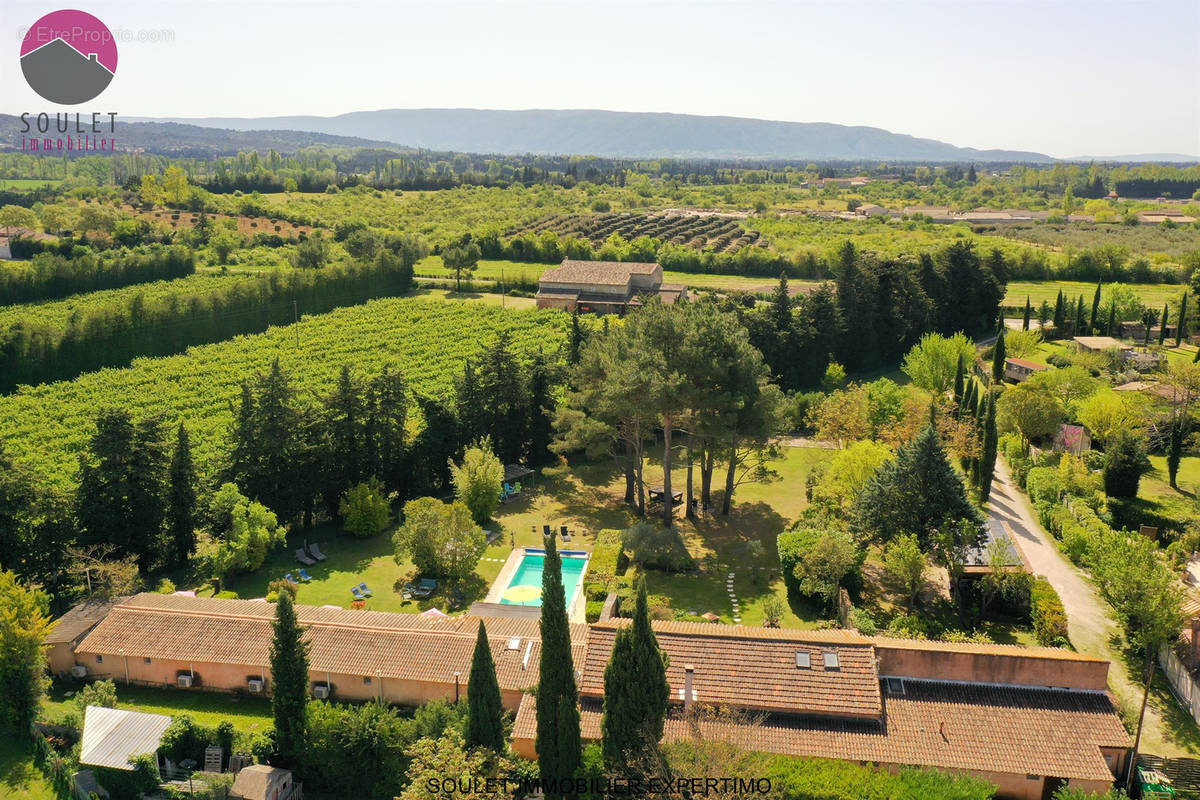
x,y
74,65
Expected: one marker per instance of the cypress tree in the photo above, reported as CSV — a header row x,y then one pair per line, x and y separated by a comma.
x,y
1162,326
987,460
181,500
1060,314
484,709
558,740
1080,319
1181,325
635,693
1027,315
289,674
575,342
1112,320
1175,451
998,358
1196,358
960,374
1096,307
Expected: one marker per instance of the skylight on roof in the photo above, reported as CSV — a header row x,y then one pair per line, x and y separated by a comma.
x,y
831,660
514,643
802,659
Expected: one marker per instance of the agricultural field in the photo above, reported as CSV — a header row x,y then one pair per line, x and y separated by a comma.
x,y
720,233
1153,241
57,314
1151,294
19,184
246,225
427,340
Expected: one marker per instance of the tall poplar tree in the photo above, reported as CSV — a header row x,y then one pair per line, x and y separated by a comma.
x,y
558,739
289,676
485,728
181,500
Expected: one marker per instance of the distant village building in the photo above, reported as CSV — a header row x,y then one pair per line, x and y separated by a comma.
x,y
604,287
1018,369
871,210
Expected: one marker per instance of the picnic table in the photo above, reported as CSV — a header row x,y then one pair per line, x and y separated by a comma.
x,y
657,492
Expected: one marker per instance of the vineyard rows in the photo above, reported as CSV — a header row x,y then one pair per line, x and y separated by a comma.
x,y
428,341
716,233
55,315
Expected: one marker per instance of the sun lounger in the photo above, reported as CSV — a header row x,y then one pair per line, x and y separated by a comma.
x,y
566,536
314,550
304,576
289,578
357,594
547,531
304,559
428,584
362,587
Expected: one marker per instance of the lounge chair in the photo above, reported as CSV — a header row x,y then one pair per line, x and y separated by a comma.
x,y
362,587
289,578
547,531
565,535
304,559
357,594
427,585
304,576
314,550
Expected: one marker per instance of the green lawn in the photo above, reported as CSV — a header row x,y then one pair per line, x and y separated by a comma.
x,y
249,714
20,779
1152,294
28,183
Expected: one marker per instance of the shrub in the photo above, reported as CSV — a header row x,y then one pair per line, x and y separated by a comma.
x,y
1125,462
607,554
477,480
1048,615
365,509
594,607
280,585
653,547
226,595
166,586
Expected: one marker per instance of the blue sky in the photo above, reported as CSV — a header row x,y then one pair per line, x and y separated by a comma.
x,y
1104,77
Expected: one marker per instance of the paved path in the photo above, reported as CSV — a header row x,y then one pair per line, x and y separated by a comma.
x,y
1091,626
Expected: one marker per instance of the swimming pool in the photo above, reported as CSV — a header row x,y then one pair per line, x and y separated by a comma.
x,y
525,586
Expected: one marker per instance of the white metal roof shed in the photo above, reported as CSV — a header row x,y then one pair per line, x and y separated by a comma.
x,y
112,736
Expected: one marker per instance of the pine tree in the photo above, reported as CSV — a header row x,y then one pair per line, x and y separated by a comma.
x,y
1162,326
635,693
1028,313
1096,307
387,412
541,410
181,500
289,676
558,738
342,444
987,460
998,358
1060,314
485,728
960,374
1181,325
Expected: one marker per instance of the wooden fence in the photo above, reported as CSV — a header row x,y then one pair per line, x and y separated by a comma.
x,y
1187,690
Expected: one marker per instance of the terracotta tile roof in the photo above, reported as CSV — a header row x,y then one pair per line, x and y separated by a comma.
x,y
401,646
597,272
1021,362
754,668
80,619
985,648
942,725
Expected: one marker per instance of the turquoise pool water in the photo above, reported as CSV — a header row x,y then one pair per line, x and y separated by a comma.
x,y
529,574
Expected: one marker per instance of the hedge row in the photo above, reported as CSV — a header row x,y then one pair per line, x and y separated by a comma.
x,y
1049,616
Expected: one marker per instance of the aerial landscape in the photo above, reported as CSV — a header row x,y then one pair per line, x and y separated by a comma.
x,y
623,427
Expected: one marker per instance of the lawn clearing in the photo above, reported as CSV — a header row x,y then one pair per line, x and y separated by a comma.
x,y
1152,294
248,714
20,779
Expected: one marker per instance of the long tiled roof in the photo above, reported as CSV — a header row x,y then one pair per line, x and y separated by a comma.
x,y
596,272
80,619
942,725
755,668
401,646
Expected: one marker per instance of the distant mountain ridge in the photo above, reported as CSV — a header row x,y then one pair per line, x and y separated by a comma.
x,y
619,134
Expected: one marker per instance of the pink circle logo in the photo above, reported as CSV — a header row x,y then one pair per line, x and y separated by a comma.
x,y
68,57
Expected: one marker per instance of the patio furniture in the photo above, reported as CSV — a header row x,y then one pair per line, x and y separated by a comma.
x,y
428,584
362,587
304,576
357,594
304,559
566,536
547,532
314,550
289,578
492,536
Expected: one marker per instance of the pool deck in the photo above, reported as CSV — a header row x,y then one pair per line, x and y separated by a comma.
x,y
578,610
